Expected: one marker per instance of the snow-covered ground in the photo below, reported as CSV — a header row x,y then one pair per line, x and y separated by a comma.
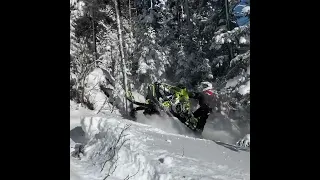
x,y
145,152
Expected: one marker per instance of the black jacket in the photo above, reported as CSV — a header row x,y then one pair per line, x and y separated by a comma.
x,y
204,99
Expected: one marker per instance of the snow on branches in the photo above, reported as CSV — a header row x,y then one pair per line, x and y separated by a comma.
x,y
230,36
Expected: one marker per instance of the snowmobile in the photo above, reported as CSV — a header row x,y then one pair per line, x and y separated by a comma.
x,y
164,99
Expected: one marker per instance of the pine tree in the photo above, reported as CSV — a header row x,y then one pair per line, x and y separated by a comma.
x,y
175,41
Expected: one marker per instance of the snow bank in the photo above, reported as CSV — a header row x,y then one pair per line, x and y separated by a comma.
x,y
103,134
149,153
217,127
167,124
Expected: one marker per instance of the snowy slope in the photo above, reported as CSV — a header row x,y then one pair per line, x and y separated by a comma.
x,y
148,152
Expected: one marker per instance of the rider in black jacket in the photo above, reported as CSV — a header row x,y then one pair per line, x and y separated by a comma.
x,y
207,100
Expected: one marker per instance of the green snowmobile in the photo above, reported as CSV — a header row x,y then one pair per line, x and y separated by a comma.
x,y
163,99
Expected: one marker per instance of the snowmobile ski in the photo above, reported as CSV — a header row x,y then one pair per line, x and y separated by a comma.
x,y
232,146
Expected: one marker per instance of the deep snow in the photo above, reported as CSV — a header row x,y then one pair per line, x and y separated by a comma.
x,y
149,152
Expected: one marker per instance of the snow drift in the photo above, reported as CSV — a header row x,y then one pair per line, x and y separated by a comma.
x,y
123,148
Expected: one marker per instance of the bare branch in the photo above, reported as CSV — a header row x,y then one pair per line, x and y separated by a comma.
x,y
114,148
112,108
102,105
128,177
114,169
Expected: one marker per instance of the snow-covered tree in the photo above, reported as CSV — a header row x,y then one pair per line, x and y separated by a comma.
x,y
233,75
176,41
150,59
92,23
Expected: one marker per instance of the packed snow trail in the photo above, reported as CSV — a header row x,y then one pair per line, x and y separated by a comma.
x,y
148,153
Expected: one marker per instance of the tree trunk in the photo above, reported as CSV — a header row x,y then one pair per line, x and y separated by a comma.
x,y
94,35
124,68
130,50
187,10
189,24
228,28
